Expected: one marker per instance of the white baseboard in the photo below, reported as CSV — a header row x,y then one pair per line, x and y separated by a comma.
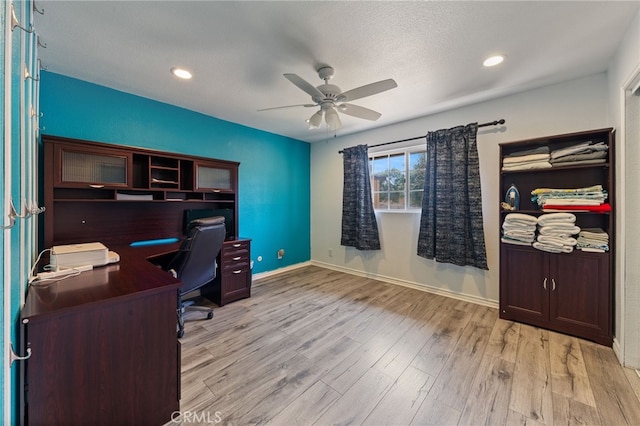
x,y
422,287
257,277
617,350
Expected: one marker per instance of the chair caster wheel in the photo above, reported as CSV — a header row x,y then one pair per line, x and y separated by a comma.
x,y
210,315
180,334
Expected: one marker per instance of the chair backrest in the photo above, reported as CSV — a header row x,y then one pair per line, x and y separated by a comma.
x,y
195,262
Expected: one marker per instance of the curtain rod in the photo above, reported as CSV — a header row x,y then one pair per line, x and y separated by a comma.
x,y
491,123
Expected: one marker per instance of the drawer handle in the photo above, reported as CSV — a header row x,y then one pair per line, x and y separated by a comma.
x,y
544,284
553,282
237,245
238,271
97,186
237,258
215,190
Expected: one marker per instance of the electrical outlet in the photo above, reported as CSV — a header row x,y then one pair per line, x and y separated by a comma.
x,y
330,252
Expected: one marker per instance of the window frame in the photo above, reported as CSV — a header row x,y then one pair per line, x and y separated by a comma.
x,y
406,151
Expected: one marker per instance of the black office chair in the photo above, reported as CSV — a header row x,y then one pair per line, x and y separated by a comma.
x,y
195,263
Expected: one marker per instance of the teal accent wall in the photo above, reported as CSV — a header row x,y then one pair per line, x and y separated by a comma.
x,y
3,360
274,182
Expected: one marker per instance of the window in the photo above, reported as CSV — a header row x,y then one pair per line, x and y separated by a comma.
x,y
397,179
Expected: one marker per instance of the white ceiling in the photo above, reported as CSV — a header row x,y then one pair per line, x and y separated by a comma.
x,y
238,52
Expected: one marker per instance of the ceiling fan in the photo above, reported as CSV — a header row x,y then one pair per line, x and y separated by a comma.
x,y
332,100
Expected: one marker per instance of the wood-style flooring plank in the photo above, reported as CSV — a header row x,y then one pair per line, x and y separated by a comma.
x,y
489,393
401,403
358,402
447,329
435,412
616,401
568,374
315,346
308,407
567,411
531,397
453,384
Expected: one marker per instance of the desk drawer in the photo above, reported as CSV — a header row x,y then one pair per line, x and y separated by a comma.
x,y
234,281
235,267
235,257
235,248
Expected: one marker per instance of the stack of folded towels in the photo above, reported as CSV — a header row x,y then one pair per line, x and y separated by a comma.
x,y
591,198
519,228
555,232
535,158
583,153
593,239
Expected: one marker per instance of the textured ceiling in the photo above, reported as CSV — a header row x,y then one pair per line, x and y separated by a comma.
x,y
238,52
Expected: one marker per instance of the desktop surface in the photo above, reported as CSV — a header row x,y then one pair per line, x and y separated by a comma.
x,y
134,275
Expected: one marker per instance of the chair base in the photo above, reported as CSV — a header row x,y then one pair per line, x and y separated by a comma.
x,y
187,306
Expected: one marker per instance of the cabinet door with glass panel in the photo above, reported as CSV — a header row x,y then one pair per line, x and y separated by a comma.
x,y
215,176
95,167
397,179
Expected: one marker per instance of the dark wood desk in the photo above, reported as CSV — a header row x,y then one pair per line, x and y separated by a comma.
x,y
104,346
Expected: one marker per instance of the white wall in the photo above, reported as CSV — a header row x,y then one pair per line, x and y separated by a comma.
x,y
624,68
572,106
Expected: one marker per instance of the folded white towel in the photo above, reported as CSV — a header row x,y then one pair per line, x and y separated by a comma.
x,y
519,233
550,218
558,230
521,217
518,227
525,159
562,241
579,148
552,249
527,166
516,242
591,250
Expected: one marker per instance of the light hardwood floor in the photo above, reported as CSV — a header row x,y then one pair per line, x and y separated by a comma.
x,y
319,347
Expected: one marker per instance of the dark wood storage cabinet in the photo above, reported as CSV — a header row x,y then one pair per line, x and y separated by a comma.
x,y
567,292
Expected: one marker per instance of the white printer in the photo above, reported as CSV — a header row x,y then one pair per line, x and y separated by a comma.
x,y
85,254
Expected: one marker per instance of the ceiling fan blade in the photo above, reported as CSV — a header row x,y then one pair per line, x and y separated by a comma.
x,y
359,112
316,95
289,106
368,90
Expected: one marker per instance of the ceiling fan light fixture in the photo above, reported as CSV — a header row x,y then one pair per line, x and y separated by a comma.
x,y
331,116
315,120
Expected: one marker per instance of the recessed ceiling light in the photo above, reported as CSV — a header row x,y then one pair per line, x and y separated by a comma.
x,y
493,60
181,73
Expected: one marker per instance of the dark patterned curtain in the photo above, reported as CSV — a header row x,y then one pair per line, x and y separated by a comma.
x,y
451,229
359,226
